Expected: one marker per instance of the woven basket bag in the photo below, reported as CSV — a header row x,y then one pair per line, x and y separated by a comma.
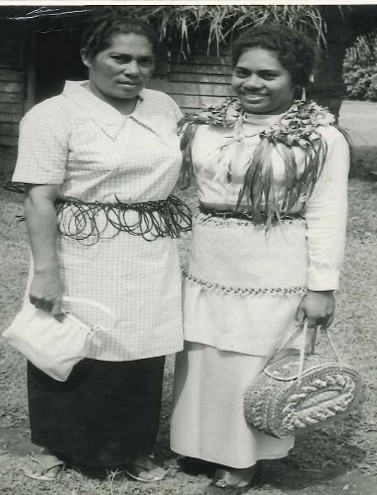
x,y
301,391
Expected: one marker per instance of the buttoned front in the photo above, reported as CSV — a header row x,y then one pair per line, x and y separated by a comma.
x,y
96,154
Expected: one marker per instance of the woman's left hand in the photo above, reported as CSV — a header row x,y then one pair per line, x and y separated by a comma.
x,y
318,307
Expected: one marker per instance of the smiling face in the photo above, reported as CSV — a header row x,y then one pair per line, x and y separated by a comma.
x,y
261,83
122,70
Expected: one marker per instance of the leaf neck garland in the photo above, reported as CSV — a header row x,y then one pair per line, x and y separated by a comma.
x,y
298,127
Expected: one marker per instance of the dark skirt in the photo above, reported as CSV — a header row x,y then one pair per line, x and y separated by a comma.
x,y
104,414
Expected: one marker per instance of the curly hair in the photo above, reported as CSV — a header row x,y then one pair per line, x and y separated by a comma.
x,y
294,51
104,23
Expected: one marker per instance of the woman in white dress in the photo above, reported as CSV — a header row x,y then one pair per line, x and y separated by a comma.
x,y
266,246
99,163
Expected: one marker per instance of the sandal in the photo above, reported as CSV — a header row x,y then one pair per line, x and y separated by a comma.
x,y
46,463
230,478
144,469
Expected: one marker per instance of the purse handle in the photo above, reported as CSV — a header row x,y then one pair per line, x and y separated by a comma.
x,y
304,327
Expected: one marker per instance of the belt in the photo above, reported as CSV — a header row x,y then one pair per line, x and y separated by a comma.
x,y
248,216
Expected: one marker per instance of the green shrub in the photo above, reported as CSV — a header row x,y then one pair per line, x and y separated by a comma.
x,y
360,68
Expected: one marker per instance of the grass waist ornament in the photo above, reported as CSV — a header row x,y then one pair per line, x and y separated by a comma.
x,y
297,127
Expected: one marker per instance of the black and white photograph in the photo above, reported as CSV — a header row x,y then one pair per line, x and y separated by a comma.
x,y
188,248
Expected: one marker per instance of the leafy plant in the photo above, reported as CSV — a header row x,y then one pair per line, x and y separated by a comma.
x,y
360,68
184,24
221,22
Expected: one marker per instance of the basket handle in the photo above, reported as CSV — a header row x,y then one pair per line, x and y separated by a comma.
x,y
304,327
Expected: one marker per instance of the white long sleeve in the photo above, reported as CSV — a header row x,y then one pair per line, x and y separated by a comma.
x,y
326,215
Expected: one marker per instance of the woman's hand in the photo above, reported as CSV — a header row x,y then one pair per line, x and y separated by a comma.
x,y
318,307
46,291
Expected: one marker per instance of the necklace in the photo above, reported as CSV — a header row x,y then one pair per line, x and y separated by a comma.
x,y
296,127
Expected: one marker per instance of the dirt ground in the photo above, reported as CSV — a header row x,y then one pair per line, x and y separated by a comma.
x,y
338,459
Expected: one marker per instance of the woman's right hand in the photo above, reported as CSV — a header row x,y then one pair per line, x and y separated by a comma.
x,y
46,291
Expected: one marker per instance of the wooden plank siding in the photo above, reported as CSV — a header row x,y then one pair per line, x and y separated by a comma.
x,y
12,96
196,82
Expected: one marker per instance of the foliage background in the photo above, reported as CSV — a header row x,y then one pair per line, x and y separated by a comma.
x,y
360,68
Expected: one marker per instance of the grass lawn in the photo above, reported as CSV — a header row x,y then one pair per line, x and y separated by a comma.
x,y
340,458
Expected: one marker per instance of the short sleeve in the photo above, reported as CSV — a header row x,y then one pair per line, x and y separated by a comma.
x,y
43,145
176,110
171,106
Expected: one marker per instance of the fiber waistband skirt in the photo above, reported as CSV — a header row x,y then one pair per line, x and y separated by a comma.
x,y
104,414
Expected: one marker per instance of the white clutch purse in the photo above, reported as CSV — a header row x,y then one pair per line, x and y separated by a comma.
x,y
52,346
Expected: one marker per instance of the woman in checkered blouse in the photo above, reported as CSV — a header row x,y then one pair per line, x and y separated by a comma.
x,y
100,161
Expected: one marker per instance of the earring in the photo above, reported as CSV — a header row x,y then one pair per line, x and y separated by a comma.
x,y
303,89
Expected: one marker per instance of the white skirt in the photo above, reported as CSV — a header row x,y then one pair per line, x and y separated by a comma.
x,y
208,421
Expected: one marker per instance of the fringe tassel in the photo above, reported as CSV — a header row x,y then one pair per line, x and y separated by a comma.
x,y
264,198
313,167
79,220
258,181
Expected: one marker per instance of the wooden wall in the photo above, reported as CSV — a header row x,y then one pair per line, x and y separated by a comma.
x,y
12,81
196,82
12,97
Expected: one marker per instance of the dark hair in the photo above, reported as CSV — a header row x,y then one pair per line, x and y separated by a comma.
x,y
294,51
100,29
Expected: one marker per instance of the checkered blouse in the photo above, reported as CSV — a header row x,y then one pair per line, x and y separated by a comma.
x,y
94,153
